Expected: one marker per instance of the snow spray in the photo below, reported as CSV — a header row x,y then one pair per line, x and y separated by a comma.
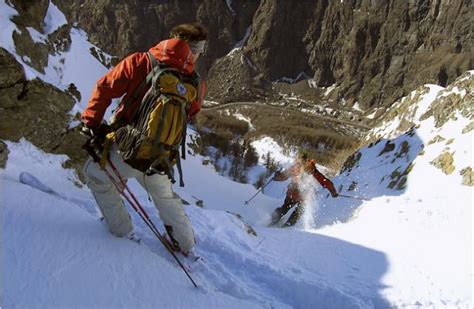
x,y
306,185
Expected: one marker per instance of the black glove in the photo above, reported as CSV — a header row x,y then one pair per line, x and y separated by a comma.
x,y
334,194
99,131
96,134
86,131
278,175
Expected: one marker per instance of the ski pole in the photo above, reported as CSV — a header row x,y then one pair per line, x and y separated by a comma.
x,y
122,187
147,219
354,197
260,190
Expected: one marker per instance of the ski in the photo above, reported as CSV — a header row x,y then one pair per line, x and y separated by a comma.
x,y
33,182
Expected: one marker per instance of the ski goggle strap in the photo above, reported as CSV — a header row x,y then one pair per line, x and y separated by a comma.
x,y
197,47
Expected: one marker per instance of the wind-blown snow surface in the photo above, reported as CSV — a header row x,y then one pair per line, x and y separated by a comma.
x,y
404,248
57,254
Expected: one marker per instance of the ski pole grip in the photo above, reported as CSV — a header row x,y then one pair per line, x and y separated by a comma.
x,y
90,150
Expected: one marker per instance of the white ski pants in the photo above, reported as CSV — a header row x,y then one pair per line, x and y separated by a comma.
x,y
113,209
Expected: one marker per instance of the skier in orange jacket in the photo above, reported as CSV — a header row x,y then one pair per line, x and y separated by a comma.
x,y
293,193
180,52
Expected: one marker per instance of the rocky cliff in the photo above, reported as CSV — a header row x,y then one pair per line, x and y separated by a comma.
x,y
124,26
36,111
373,52
336,53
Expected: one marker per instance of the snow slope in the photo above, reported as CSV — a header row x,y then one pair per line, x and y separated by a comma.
x,y
419,217
59,255
410,247
56,255
425,229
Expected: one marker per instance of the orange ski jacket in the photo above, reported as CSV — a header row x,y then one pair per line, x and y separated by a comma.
x,y
126,76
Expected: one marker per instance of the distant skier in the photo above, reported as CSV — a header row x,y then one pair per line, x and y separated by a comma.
x,y
293,193
129,78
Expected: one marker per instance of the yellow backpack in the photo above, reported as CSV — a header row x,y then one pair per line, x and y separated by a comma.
x,y
150,142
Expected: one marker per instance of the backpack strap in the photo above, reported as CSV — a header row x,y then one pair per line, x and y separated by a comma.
x,y
164,110
183,148
183,141
180,171
156,70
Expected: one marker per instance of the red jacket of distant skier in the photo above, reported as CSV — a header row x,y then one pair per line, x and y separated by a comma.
x,y
295,170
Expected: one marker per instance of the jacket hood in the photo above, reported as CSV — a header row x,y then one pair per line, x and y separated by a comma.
x,y
175,53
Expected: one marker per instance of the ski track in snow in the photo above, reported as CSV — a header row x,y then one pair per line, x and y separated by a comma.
x,y
68,271
255,279
269,286
235,264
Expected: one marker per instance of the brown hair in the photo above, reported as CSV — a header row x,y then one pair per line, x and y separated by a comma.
x,y
191,32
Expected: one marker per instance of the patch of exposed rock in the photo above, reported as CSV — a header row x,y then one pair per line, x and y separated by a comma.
x,y
460,100
30,41
234,80
36,111
445,162
467,176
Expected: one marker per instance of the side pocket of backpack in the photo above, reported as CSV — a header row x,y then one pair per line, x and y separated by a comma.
x,y
127,140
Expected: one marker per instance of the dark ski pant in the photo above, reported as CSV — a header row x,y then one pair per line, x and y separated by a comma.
x,y
283,210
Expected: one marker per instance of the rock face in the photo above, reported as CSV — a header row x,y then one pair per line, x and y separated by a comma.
x,y
369,51
35,52
445,108
124,26
36,111
373,51
31,109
